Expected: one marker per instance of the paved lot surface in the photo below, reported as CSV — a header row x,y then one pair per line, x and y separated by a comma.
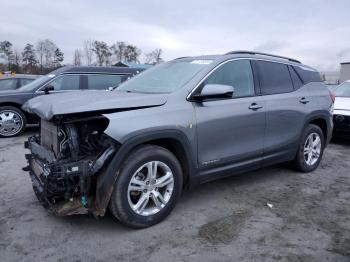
x,y
226,220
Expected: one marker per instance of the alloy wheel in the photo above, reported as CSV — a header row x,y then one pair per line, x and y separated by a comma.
x,y
312,149
150,188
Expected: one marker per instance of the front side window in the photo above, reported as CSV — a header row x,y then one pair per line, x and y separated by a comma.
x,y
238,74
65,82
343,90
274,78
6,84
103,81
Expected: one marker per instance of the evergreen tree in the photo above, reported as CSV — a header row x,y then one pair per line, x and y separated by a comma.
x,y
58,57
29,58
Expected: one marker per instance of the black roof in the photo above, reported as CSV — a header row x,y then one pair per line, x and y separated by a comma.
x,y
97,69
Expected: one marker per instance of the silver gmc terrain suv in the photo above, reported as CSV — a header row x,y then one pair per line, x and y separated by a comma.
x,y
176,125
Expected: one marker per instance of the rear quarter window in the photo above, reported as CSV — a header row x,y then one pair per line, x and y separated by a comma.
x,y
307,75
297,83
274,78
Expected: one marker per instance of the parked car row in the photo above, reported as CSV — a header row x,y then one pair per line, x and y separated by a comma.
x,y
13,119
176,125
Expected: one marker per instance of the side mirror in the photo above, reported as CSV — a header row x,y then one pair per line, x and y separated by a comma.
x,y
48,88
214,91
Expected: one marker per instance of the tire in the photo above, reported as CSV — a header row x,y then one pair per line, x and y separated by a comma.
x,y
305,163
124,201
15,128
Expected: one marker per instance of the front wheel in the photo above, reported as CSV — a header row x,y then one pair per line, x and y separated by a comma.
x,y
12,121
147,188
310,149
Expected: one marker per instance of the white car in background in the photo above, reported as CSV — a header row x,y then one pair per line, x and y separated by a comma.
x,y
342,110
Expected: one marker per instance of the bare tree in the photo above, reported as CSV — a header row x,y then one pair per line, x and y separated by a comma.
x,y
88,53
49,52
132,54
77,61
154,57
118,50
102,52
40,47
17,58
49,55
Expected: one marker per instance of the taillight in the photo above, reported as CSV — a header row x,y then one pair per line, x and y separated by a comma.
x,y
332,96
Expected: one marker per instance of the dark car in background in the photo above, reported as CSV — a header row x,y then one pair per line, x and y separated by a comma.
x,y
15,81
13,119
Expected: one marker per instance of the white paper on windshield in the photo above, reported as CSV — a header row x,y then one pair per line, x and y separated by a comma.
x,y
202,62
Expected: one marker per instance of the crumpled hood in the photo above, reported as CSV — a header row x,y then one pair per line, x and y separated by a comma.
x,y
48,106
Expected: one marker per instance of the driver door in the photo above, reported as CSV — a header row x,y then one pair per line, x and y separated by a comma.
x,y
230,132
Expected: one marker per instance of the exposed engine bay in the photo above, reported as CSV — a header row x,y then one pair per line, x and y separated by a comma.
x,y
65,160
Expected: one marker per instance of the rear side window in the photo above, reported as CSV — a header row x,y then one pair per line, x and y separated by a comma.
x,y
307,75
274,78
295,78
237,74
103,81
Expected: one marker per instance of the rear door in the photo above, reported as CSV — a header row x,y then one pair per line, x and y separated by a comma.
x,y
230,132
287,104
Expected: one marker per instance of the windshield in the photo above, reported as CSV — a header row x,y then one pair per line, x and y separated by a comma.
x,y
36,83
343,90
165,78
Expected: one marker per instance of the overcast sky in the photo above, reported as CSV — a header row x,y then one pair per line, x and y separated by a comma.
x,y
314,31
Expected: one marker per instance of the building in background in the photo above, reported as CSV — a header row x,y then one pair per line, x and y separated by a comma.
x,y
330,77
132,65
344,71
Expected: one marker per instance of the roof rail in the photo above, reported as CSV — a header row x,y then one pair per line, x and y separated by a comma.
x,y
260,53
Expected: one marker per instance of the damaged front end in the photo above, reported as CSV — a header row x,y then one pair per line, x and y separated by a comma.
x,y
65,162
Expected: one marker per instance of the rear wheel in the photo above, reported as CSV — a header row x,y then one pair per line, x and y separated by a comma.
x,y
12,121
310,149
147,187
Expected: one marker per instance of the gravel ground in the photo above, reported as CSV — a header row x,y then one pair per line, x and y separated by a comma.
x,y
225,220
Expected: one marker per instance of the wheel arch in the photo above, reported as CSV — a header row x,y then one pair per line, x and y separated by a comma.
x,y
18,106
321,123
173,140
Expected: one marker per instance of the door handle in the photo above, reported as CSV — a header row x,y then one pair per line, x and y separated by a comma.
x,y
255,107
304,101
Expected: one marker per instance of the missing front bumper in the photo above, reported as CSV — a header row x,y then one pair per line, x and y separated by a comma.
x,y
61,186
